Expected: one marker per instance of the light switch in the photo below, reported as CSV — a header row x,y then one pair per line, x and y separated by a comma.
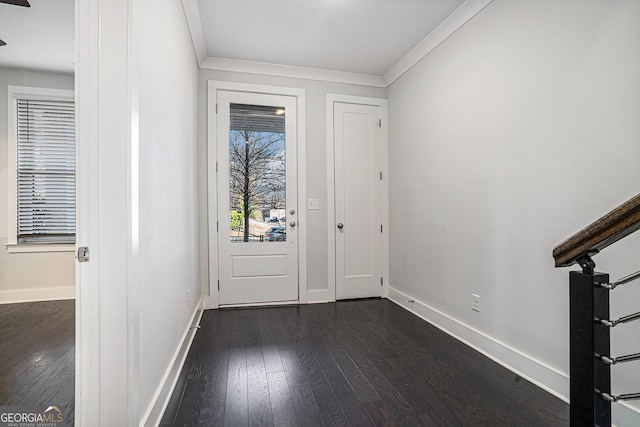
x,y
312,204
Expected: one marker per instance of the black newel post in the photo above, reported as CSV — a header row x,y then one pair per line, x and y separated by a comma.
x,y
587,339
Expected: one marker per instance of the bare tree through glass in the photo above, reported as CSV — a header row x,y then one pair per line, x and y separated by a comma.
x,y
257,164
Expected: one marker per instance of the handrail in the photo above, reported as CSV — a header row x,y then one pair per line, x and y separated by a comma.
x,y
615,225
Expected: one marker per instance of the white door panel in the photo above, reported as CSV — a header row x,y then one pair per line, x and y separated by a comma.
x,y
256,152
357,200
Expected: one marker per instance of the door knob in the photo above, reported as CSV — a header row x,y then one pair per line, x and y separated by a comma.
x,y
292,223
340,225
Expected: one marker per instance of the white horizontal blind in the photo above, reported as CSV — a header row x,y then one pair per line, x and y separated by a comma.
x,y
46,171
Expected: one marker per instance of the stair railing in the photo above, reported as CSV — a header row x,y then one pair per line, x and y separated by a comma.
x,y
590,323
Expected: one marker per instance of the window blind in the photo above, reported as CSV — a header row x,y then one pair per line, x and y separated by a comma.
x,y
46,171
257,118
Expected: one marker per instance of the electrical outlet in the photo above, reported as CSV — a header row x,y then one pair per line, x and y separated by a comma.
x,y
475,305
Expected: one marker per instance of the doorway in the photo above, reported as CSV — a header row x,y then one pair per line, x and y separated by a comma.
x,y
256,225
358,187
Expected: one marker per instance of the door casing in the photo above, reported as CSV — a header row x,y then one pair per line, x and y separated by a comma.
x,y
213,86
330,293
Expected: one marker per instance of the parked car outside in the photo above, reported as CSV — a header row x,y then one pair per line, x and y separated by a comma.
x,y
276,234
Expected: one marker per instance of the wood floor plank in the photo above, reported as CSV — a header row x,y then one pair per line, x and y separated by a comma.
x,y
236,402
212,417
284,413
307,411
347,399
268,342
259,403
381,414
400,408
330,410
295,373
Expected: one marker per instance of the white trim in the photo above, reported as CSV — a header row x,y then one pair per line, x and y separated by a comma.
x,y
331,206
331,198
154,412
212,301
213,86
317,296
384,217
534,371
223,64
40,248
40,294
136,18
88,308
30,92
192,15
448,27
13,93
260,304
302,197
623,414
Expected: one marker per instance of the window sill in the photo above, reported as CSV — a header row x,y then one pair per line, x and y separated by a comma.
x,y
13,248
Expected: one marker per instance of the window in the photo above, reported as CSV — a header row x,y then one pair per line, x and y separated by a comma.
x,y
41,166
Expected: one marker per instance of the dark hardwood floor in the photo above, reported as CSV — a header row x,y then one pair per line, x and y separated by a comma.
x,y
359,363
37,355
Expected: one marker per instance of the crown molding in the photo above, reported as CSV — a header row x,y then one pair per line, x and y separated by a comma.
x,y
453,23
223,64
192,14
449,26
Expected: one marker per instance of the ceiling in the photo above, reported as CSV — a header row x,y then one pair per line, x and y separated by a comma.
x,y
40,37
355,36
314,38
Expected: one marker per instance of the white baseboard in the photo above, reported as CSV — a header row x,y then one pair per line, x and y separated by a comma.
x,y
33,295
316,296
623,415
155,411
545,377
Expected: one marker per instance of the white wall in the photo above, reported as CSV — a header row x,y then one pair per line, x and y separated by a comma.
x,y
168,190
29,276
517,131
316,165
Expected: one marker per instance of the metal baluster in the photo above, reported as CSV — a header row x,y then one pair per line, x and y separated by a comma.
x,y
613,398
626,279
619,359
624,319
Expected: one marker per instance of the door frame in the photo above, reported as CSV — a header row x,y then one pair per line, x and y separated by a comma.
x,y
331,201
213,86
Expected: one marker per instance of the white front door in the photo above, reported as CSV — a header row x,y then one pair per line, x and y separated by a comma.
x,y
257,198
358,200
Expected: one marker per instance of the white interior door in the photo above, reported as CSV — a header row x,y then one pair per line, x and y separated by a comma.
x,y
358,192
257,198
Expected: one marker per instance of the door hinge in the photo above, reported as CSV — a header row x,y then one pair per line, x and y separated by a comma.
x,y
381,228
216,108
216,167
217,226
83,254
380,175
218,285
379,123
381,281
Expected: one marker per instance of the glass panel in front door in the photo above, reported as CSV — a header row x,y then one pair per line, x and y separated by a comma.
x,y
257,174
